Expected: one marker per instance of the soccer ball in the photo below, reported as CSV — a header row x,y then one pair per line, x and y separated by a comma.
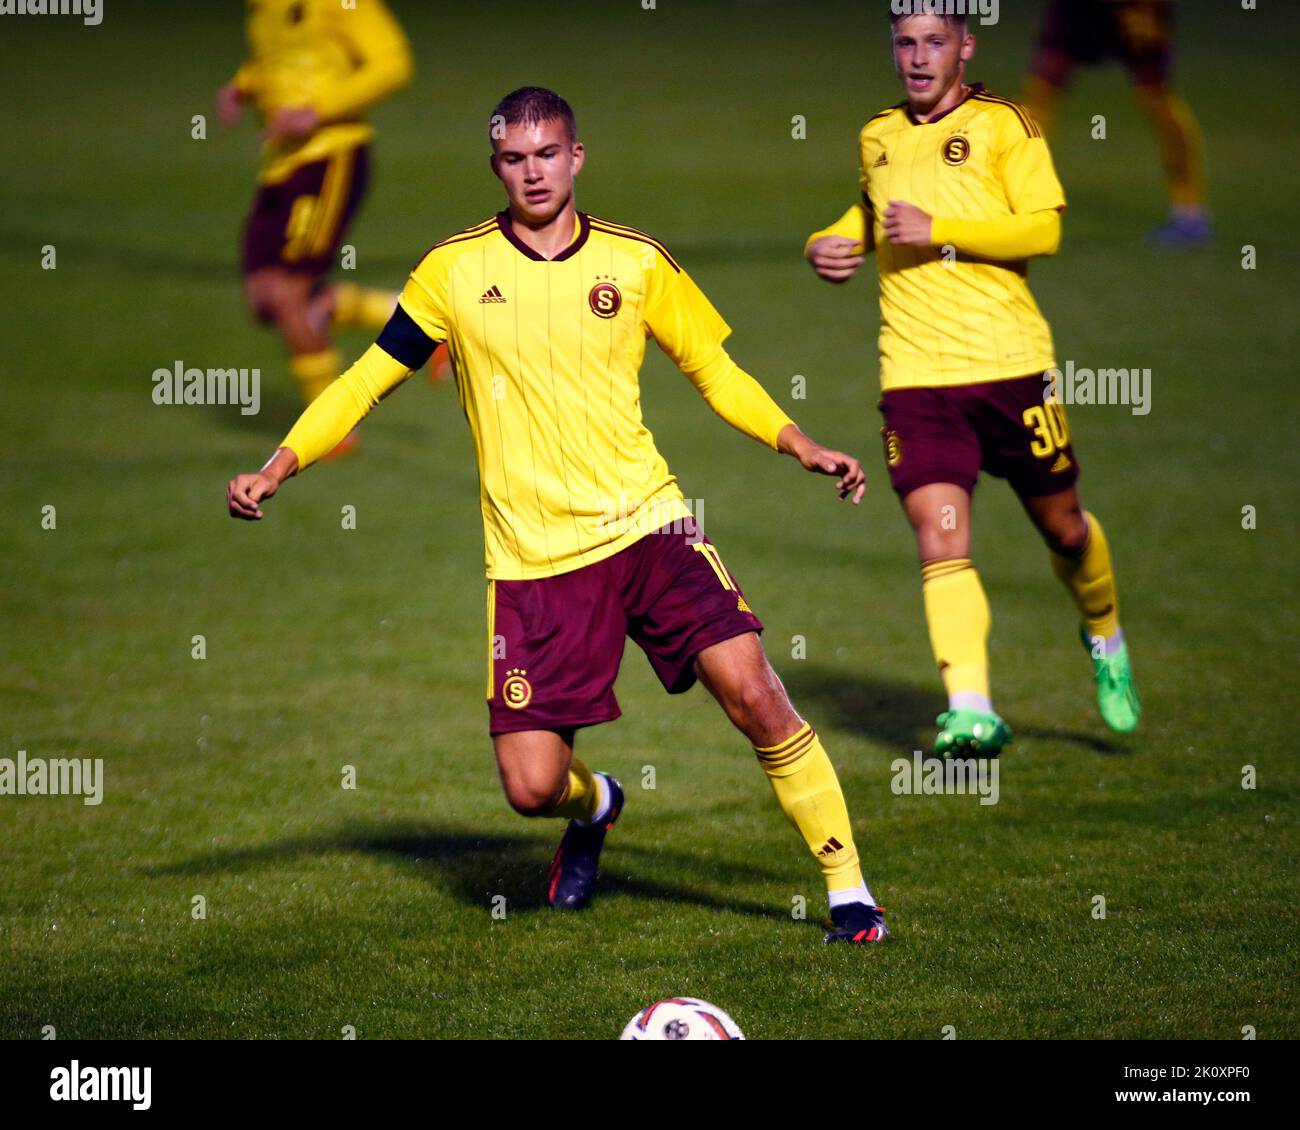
x,y
682,1018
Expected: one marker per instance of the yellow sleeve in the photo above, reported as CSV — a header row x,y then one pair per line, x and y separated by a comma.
x,y
1006,238
382,56
739,399
425,297
1025,165
343,405
245,80
691,332
852,225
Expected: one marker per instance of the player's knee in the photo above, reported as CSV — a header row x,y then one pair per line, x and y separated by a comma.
x,y
1068,535
274,300
265,297
533,797
935,543
259,304
763,712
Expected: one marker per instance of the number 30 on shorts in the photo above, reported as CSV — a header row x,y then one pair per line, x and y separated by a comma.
x,y
1050,427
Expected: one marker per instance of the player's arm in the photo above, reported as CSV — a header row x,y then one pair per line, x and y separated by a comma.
x,y
1032,191
690,331
1005,238
232,96
383,61
836,252
320,428
403,346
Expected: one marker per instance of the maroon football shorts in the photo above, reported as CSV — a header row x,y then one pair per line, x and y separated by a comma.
x,y
1137,33
299,223
949,435
556,643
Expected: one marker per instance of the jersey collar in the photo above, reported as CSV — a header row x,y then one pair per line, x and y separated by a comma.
x,y
975,88
506,224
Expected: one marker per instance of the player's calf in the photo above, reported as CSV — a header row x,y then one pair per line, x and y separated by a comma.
x,y
542,778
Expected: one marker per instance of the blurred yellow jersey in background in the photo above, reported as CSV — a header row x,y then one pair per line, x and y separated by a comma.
x,y
335,58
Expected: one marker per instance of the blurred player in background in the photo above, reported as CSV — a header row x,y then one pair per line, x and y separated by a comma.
x,y
958,193
1139,33
314,68
588,538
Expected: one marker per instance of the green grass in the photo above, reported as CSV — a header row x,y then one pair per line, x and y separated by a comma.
x,y
328,647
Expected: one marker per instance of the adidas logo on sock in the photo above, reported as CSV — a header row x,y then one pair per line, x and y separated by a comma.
x,y
492,294
830,847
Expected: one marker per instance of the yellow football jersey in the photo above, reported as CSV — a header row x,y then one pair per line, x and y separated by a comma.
x,y
547,355
336,58
946,318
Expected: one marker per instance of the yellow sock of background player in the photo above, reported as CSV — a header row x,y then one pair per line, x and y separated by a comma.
x,y
957,612
361,306
1091,581
1181,145
314,372
808,792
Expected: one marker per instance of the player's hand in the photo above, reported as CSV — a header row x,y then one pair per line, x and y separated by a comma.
x,y
835,258
287,123
244,492
907,225
230,104
824,461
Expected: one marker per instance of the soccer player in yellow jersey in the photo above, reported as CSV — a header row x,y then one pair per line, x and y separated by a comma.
x,y
958,194
588,538
1140,34
314,68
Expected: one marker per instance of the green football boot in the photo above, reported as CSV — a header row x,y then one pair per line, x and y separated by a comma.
x,y
1117,697
970,733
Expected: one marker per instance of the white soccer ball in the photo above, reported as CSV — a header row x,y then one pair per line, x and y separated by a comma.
x,y
682,1018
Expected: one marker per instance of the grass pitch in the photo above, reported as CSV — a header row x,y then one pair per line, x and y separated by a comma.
x,y
328,647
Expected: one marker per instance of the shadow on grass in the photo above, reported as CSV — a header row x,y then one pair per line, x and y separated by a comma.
x,y
473,868
897,715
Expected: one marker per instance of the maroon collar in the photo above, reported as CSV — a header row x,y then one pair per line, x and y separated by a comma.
x,y
506,224
975,88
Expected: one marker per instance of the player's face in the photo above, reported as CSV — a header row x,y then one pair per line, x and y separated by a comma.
x,y
537,164
930,55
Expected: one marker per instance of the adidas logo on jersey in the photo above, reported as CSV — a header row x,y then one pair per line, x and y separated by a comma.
x,y
881,161
492,294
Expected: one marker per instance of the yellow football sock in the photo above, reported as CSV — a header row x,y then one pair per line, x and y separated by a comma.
x,y
1091,582
957,612
361,306
314,372
581,797
1181,144
808,792
1041,99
